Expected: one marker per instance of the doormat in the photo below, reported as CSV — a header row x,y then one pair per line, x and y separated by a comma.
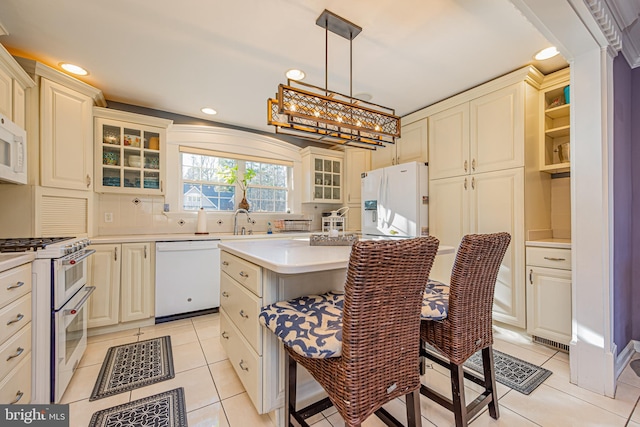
x,y
515,373
165,409
130,366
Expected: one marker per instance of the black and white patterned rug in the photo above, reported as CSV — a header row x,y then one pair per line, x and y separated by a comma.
x,y
515,373
165,409
134,365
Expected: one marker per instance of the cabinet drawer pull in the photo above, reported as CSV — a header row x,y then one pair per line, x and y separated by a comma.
x,y
225,294
243,274
225,263
115,253
16,354
18,318
465,183
145,252
550,258
531,276
465,165
17,399
242,365
473,183
17,285
242,314
225,335
473,164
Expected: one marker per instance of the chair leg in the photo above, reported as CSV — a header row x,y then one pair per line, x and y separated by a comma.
x,y
290,378
459,402
414,416
490,381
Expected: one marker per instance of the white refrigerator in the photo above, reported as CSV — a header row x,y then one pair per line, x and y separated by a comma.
x,y
395,201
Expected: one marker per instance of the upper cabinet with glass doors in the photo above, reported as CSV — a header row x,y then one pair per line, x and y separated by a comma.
x,y
130,152
322,175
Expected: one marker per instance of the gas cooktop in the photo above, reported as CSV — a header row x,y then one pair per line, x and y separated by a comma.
x,y
29,243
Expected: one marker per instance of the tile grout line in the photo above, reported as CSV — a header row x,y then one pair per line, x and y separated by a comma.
x,y
632,411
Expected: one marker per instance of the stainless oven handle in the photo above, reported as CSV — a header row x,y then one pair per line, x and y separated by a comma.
x,y
73,261
84,299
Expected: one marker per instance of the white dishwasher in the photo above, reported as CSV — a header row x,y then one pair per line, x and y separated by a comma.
x,y
187,278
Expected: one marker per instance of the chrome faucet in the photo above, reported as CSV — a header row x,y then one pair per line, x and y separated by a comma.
x,y
235,220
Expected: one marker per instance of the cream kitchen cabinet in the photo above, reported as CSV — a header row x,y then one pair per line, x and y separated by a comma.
x,y
411,146
488,202
357,161
481,135
124,278
549,295
130,152
63,108
322,175
15,337
483,178
14,82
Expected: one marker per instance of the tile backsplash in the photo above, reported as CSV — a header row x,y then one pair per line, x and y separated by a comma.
x,y
130,214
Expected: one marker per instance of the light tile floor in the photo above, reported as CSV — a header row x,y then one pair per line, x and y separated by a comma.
x,y
215,396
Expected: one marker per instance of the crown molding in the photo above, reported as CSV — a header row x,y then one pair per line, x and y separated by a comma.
x,y
617,26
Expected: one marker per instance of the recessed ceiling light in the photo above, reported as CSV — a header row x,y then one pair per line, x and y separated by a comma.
x,y
363,96
294,74
547,53
209,110
74,69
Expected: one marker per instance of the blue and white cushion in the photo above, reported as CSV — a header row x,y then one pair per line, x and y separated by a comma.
x,y
310,325
435,301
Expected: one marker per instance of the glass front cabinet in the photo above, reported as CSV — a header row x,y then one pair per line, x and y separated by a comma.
x,y
322,175
130,152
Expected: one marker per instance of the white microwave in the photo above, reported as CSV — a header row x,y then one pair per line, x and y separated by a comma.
x,y
13,152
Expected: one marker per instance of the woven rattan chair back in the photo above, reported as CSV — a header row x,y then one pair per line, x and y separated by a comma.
x,y
381,327
468,326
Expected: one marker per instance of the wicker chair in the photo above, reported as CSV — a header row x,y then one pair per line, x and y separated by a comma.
x,y
462,323
361,346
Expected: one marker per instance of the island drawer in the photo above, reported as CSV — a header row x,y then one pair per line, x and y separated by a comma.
x,y
16,348
246,363
14,316
244,272
243,308
16,387
14,283
549,257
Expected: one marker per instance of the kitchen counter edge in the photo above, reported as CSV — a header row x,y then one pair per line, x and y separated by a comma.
x,y
10,260
137,238
550,243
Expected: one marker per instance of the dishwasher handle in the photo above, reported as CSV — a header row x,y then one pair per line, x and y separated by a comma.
x,y
186,246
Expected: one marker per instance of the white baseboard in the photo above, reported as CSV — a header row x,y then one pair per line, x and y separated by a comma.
x,y
623,358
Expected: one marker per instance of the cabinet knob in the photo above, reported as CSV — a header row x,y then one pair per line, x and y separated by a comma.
x,y
465,183
473,164
243,274
88,181
473,183
466,164
531,276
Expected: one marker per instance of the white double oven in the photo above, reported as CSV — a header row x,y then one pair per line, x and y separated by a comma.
x,y
59,296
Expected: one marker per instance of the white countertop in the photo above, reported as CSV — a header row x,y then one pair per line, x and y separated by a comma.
x,y
10,260
135,238
294,256
550,243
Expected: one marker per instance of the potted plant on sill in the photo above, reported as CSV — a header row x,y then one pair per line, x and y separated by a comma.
x,y
231,175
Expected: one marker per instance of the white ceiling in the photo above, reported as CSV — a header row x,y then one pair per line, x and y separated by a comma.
x,y
179,56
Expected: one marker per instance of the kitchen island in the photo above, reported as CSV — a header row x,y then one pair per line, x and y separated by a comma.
x,y
260,272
